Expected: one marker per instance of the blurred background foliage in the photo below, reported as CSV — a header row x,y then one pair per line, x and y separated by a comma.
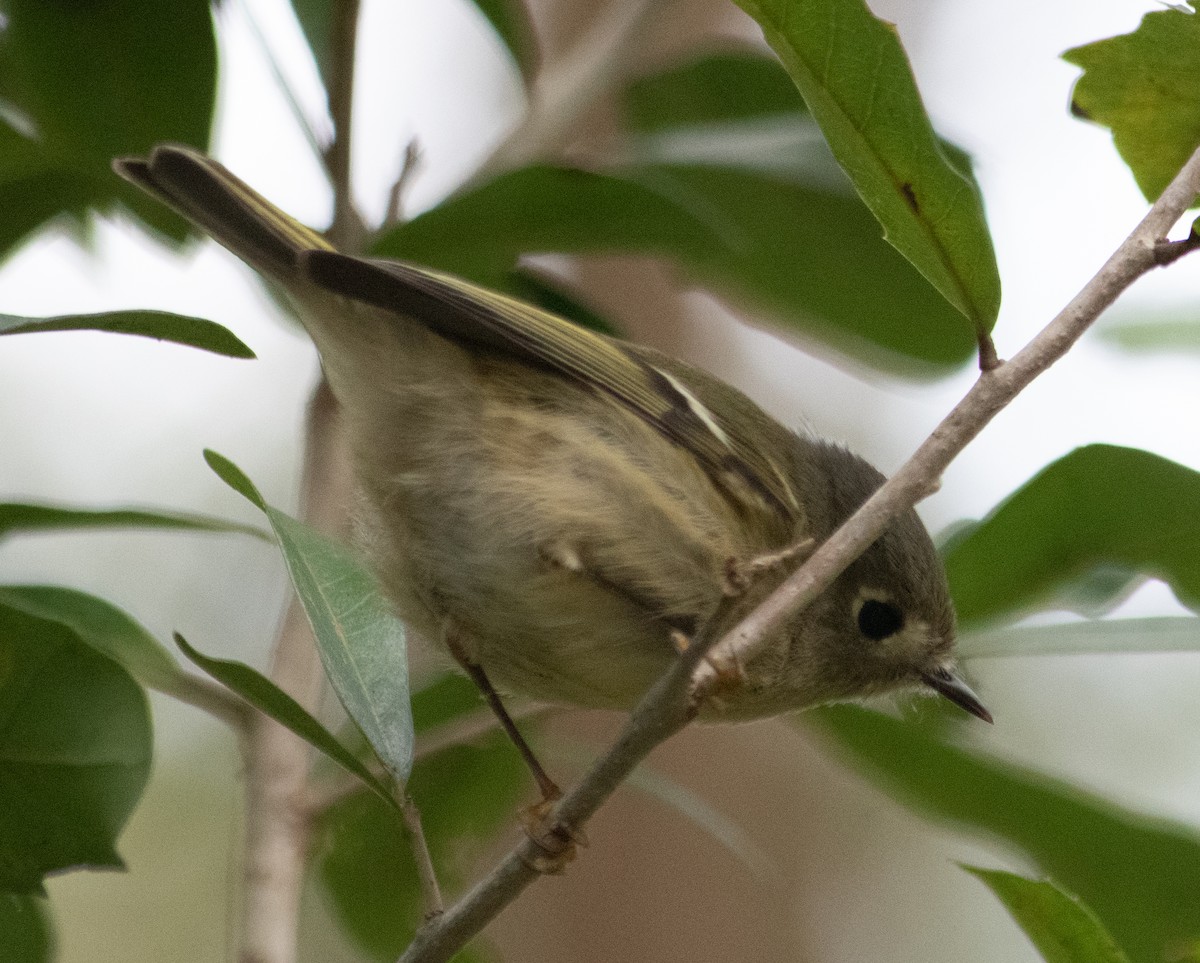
x,y
696,192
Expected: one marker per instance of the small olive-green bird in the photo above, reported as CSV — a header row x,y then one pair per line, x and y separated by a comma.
x,y
558,505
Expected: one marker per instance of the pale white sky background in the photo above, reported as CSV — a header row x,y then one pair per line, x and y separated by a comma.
x,y
98,420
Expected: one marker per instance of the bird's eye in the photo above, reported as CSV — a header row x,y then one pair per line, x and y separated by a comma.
x,y
877,620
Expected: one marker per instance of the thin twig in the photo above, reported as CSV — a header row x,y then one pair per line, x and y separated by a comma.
x,y
347,232
430,891
409,165
666,707
994,389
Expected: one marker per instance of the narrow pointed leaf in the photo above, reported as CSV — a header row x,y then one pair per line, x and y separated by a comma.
x,y
361,643
1101,507
23,518
1062,928
1140,875
268,698
1142,86
858,84
75,751
160,325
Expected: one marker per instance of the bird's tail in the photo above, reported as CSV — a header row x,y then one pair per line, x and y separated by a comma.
x,y
236,215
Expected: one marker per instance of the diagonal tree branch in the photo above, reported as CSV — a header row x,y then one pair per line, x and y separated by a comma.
x,y
668,706
1139,253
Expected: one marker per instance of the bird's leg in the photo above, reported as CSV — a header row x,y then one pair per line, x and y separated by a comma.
x,y
556,842
549,789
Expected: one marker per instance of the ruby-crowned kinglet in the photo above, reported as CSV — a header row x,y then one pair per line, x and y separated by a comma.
x,y
565,503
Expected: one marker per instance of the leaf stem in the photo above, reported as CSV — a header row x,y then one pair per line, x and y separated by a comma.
x,y
430,891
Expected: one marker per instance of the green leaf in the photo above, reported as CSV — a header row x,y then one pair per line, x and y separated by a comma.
x,y
161,325
102,79
360,641
838,281
856,80
363,861
1063,929
1107,636
1142,86
480,234
510,20
75,751
1098,507
23,518
28,933
268,698
103,626
731,85
235,478
1140,875
726,227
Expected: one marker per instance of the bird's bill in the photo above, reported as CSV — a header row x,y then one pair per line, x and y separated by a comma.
x,y
947,683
